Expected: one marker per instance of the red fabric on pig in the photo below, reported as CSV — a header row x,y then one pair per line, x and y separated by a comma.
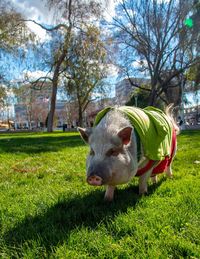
x,y
144,169
167,161
162,166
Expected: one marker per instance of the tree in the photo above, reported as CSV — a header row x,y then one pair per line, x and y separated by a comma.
x,y
86,68
72,14
152,33
3,101
27,99
139,98
193,73
14,36
14,33
193,76
3,95
6,101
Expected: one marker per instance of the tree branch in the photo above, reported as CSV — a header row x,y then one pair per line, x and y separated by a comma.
x,y
57,27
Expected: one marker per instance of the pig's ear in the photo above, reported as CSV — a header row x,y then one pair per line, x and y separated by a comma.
x,y
125,135
85,133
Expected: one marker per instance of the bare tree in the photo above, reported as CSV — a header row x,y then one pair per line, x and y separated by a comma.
x,y
154,41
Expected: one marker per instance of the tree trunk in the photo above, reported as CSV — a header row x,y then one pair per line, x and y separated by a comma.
x,y
53,104
80,117
54,90
173,95
152,97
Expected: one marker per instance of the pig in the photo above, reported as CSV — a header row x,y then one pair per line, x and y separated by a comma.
x,y
114,158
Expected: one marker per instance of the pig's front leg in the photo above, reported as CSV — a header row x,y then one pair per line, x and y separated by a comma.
x,y
109,193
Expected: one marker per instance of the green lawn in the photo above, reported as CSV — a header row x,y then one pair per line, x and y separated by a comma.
x,y
48,211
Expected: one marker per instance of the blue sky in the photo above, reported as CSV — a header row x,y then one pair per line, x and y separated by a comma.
x,y
37,10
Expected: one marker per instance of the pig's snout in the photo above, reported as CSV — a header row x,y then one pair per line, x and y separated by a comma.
x,y
98,173
94,180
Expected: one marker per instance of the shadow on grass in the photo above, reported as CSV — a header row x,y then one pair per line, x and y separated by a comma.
x,y
38,144
55,225
191,133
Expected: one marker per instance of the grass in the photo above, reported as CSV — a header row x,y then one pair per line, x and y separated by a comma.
x,y
48,211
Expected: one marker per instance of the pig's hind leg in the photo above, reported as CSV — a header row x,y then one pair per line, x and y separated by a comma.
x,y
154,179
169,172
169,168
143,179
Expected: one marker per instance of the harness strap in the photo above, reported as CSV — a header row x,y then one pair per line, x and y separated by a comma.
x,y
144,169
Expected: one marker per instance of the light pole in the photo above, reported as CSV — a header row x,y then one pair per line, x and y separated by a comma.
x,y
136,98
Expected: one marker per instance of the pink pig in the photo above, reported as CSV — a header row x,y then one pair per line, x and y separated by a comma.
x,y
115,155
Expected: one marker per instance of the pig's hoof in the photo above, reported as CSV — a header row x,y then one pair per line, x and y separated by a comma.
x,y
141,194
154,179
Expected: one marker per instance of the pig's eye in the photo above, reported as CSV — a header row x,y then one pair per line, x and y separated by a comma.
x,y
92,152
112,152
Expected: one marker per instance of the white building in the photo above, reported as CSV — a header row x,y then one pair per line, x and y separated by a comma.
x,y
192,115
32,105
124,89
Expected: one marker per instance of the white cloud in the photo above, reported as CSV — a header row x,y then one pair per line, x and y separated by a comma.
x,y
28,75
139,63
38,10
136,63
110,10
110,6
112,70
41,33
33,75
35,10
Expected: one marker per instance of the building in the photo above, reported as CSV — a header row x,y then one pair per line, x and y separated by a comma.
x,y
94,107
124,89
32,105
192,115
60,113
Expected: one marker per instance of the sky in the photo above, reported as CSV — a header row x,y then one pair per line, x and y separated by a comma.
x,y
34,10
38,10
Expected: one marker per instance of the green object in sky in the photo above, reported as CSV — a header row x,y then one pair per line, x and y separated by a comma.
x,y
189,22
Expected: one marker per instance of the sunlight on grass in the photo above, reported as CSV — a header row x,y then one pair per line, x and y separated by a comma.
x,y
48,210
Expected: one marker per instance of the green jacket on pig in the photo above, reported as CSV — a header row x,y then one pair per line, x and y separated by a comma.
x,y
153,127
